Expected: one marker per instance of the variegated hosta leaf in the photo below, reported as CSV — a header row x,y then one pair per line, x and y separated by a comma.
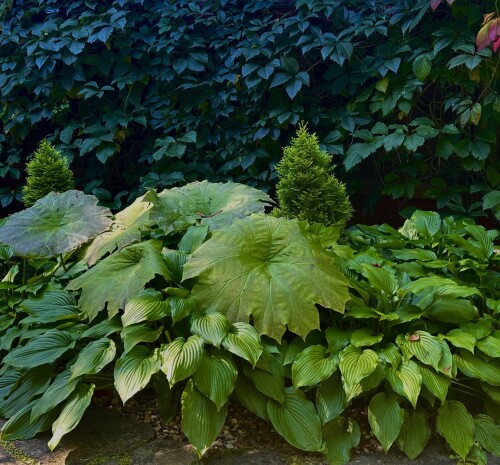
x,y
118,277
181,358
212,327
312,366
133,371
56,224
487,433
244,341
456,425
421,345
415,433
475,367
71,414
269,269
437,383
148,305
460,338
201,421
124,231
250,397
406,380
386,418
215,377
133,335
330,399
340,435
94,357
297,421
356,365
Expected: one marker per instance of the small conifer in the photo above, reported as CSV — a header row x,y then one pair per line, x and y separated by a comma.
x,y
307,188
47,172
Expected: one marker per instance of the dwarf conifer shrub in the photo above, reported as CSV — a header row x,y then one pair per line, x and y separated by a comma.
x,y
307,188
47,172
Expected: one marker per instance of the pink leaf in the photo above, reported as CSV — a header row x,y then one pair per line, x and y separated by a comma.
x,y
435,4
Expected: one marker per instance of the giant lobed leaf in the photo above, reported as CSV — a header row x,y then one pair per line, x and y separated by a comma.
x,y
118,277
414,434
456,425
181,358
124,231
201,421
215,205
312,366
340,435
269,269
297,421
386,418
56,224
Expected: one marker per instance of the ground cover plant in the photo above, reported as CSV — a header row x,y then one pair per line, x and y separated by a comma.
x,y
197,293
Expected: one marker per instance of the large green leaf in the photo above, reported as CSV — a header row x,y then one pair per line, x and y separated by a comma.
x,y
133,371
297,421
423,346
330,399
460,338
148,305
94,357
201,421
271,380
40,350
71,414
250,397
57,224
270,269
135,334
215,377
337,339
456,425
340,435
415,433
19,425
386,418
492,391
118,277
215,205
379,278
487,433
363,337
356,365
181,358
312,366
53,305
124,231
406,380
441,286
452,310
490,345
212,327
437,383
475,367
244,341
427,224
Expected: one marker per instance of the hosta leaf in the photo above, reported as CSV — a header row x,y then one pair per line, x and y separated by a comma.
x,y
487,433
366,384
133,335
201,421
437,383
71,413
181,307
56,224
356,365
330,399
479,329
386,418
312,366
175,260
94,357
118,277
212,327
443,287
415,433
456,425
427,224
181,358
492,391
294,348
340,436
379,278
390,354
40,350
475,367
337,339
53,305
243,341
452,310
271,381
250,397
57,392
103,329
193,238
133,371
406,380
19,425
421,345
270,269
124,231
215,377
363,337
211,204
460,338
490,345
297,421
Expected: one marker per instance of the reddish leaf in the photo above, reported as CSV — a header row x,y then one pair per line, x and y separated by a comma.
x,y
489,32
435,4
414,337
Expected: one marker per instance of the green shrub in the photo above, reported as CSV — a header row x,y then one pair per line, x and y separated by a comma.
x,y
47,172
307,188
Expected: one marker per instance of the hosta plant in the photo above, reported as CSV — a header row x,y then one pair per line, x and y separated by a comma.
x,y
198,295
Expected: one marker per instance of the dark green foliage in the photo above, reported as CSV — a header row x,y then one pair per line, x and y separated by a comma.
x,y
47,172
307,188
150,93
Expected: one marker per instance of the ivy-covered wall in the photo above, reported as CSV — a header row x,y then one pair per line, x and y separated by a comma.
x,y
143,93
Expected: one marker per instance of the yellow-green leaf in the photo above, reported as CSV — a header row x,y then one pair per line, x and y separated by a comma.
x,y
456,425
